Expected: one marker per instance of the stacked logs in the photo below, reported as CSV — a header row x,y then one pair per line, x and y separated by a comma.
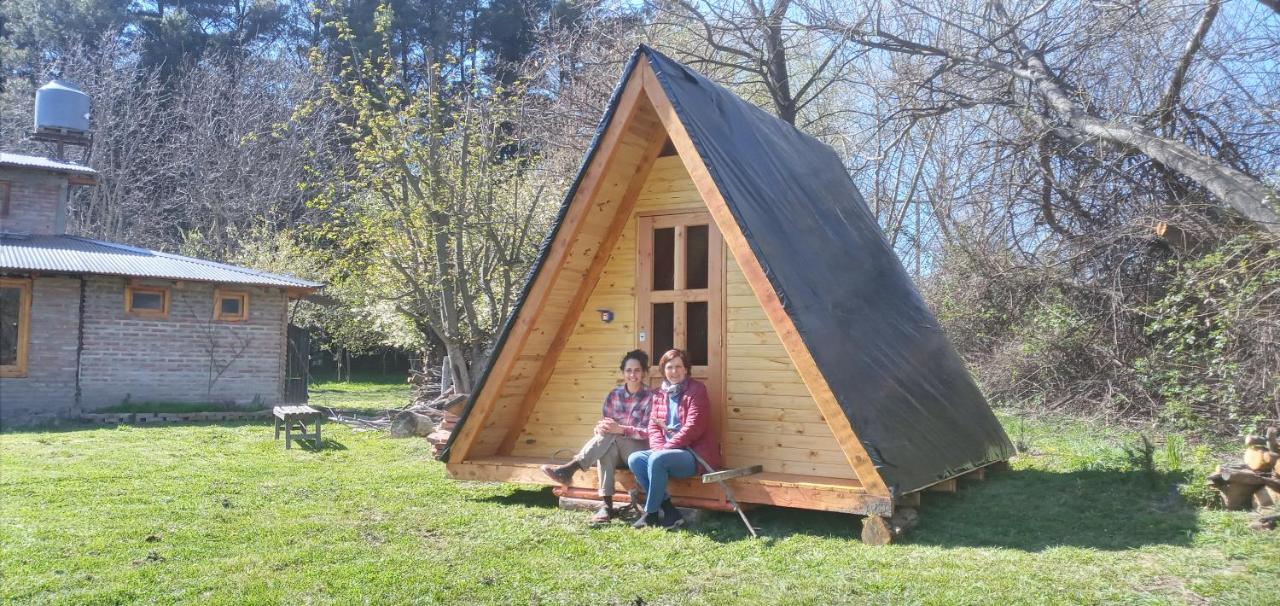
x,y
452,407
1256,483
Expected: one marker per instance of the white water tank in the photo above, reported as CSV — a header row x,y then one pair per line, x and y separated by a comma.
x,y
61,107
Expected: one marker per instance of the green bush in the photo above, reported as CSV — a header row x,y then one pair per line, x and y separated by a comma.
x,y
1214,338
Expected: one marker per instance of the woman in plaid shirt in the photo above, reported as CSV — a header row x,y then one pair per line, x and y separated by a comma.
x,y
622,430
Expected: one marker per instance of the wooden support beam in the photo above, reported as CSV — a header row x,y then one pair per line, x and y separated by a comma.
x,y
911,499
876,531
854,451
944,486
978,474
765,489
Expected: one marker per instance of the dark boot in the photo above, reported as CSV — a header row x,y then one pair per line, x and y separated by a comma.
x,y
647,520
671,517
562,474
605,513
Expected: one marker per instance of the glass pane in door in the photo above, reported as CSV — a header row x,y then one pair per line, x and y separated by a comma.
x,y
664,258
696,256
698,336
664,330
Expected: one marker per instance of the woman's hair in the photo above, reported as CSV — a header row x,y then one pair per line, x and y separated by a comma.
x,y
671,355
637,355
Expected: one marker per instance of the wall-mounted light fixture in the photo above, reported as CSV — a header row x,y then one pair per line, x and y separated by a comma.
x,y
606,315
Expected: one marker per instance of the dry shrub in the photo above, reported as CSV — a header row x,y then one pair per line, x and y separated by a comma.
x,y
1131,331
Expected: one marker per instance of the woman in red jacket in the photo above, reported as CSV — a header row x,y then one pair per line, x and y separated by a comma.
x,y
679,426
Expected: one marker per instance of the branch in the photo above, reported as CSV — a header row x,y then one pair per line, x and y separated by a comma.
x,y
1164,111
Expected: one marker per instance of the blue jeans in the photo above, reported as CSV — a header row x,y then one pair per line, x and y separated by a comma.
x,y
652,468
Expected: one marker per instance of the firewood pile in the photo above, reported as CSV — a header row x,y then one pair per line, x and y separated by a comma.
x,y
450,408
429,414
1256,483
433,396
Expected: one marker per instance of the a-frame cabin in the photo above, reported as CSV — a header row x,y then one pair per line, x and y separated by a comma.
x,y
704,223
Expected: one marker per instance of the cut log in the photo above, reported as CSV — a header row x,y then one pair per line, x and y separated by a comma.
x,y
1265,523
409,423
1237,486
455,404
876,530
1237,475
1259,459
1262,499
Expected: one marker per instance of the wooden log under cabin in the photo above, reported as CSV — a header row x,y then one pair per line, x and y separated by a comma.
x,y
703,223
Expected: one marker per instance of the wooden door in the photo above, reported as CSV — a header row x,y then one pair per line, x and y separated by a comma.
x,y
680,296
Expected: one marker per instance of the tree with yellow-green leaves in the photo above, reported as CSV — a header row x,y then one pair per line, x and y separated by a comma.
x,y
442,212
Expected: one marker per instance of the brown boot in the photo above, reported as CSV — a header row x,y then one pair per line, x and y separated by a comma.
x,y
562,474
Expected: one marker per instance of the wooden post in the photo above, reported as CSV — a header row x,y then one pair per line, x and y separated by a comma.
x,y
943,486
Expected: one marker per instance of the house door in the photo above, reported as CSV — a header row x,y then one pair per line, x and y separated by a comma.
x,y
297,365
679,296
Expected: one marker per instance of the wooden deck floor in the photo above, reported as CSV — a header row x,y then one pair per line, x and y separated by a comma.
x,y
786,490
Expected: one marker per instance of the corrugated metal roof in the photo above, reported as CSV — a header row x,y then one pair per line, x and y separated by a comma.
x,y
21,161
76,255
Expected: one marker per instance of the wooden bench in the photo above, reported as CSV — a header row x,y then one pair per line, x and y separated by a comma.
x,y
291,417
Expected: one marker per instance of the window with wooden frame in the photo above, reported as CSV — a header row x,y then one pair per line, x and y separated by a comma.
x,y
15,326
679,283
230,305
146,301
6,188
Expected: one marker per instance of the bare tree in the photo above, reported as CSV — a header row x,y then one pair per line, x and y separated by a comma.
x,y
764,44
192,163
983,54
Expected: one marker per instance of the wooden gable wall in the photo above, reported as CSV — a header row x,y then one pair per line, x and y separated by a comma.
x,y
540,329
770,418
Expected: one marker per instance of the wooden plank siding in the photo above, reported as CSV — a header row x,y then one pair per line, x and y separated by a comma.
x,y
588,365
788,490
532,343
770,418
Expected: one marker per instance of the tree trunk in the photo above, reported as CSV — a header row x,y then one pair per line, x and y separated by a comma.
x,y
458,364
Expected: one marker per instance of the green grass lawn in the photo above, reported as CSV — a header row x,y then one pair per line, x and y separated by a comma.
x,y
223,514
365,395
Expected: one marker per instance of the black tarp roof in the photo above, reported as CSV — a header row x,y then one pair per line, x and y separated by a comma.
x,y
905,390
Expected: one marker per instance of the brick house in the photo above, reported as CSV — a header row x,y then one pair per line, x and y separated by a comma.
x,y
87,324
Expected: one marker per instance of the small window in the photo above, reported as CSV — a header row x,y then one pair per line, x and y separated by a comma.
x,y
147,301
5,188
15,326
230,306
